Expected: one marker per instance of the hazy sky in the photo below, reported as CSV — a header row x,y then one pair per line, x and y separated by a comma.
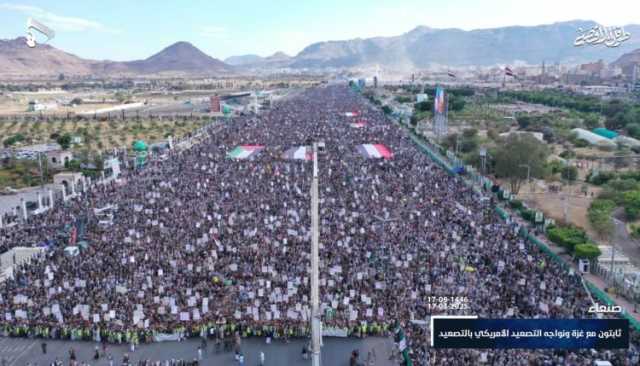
x,y
135,29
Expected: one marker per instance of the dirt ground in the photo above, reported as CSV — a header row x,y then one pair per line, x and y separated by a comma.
x,y
552,203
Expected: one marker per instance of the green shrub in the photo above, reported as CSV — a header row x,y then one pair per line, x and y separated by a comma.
x,y
623,185
529,215
555,166
567,236
516,204
601,178
569,173
568,154
632,174
602,204
635,231
587,251
631,203
13,139
581,143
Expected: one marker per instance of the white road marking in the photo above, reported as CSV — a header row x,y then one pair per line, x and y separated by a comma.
x,y
22,353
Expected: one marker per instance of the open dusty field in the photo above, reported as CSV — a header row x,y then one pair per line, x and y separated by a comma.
x,y
552,204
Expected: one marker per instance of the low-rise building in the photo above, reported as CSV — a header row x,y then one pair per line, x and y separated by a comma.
x,y
35,106
58,158
592,138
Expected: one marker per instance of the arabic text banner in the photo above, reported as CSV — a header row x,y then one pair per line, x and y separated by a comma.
x,y
530,333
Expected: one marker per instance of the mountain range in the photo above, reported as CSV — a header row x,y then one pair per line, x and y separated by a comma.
x,y
421,47
627,61
275,61
179,59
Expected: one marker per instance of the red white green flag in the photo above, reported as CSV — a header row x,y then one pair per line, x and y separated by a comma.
x,y
244,151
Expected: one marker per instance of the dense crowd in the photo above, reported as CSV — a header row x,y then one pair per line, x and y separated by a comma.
x,y
205,244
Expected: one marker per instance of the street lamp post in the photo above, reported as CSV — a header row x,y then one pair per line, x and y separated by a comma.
x,y
316,325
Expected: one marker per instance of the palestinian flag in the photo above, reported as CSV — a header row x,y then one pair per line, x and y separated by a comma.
x,y
451,74
375,151
244,151
298,153
358,124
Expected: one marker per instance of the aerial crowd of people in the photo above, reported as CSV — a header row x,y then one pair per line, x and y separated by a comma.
x,y
204,243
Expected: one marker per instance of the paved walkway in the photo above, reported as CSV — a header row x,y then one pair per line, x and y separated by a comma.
x,y
335,352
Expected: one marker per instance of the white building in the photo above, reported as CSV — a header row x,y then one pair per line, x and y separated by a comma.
x,y
627,141
58,158
592,138
35,106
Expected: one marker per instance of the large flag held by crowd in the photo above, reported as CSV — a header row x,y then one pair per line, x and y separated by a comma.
x,y
244,151
298,153
375,151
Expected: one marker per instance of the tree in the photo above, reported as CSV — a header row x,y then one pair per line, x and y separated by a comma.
x,y
423,106
569,173
631,202
469,133
64,141
599,215
414,120
386,109
493,134
403,99
456,103
591,121
120,97
13,139
634,130
523,121
516,151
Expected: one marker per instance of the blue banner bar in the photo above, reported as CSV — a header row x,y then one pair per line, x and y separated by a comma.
x,y
530,333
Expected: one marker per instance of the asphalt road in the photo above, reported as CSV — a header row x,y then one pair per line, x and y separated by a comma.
x,y
335,352
622,240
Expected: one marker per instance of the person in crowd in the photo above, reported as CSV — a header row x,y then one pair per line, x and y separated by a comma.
x,y
216,241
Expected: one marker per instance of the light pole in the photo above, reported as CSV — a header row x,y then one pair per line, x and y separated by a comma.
x,y
316,325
